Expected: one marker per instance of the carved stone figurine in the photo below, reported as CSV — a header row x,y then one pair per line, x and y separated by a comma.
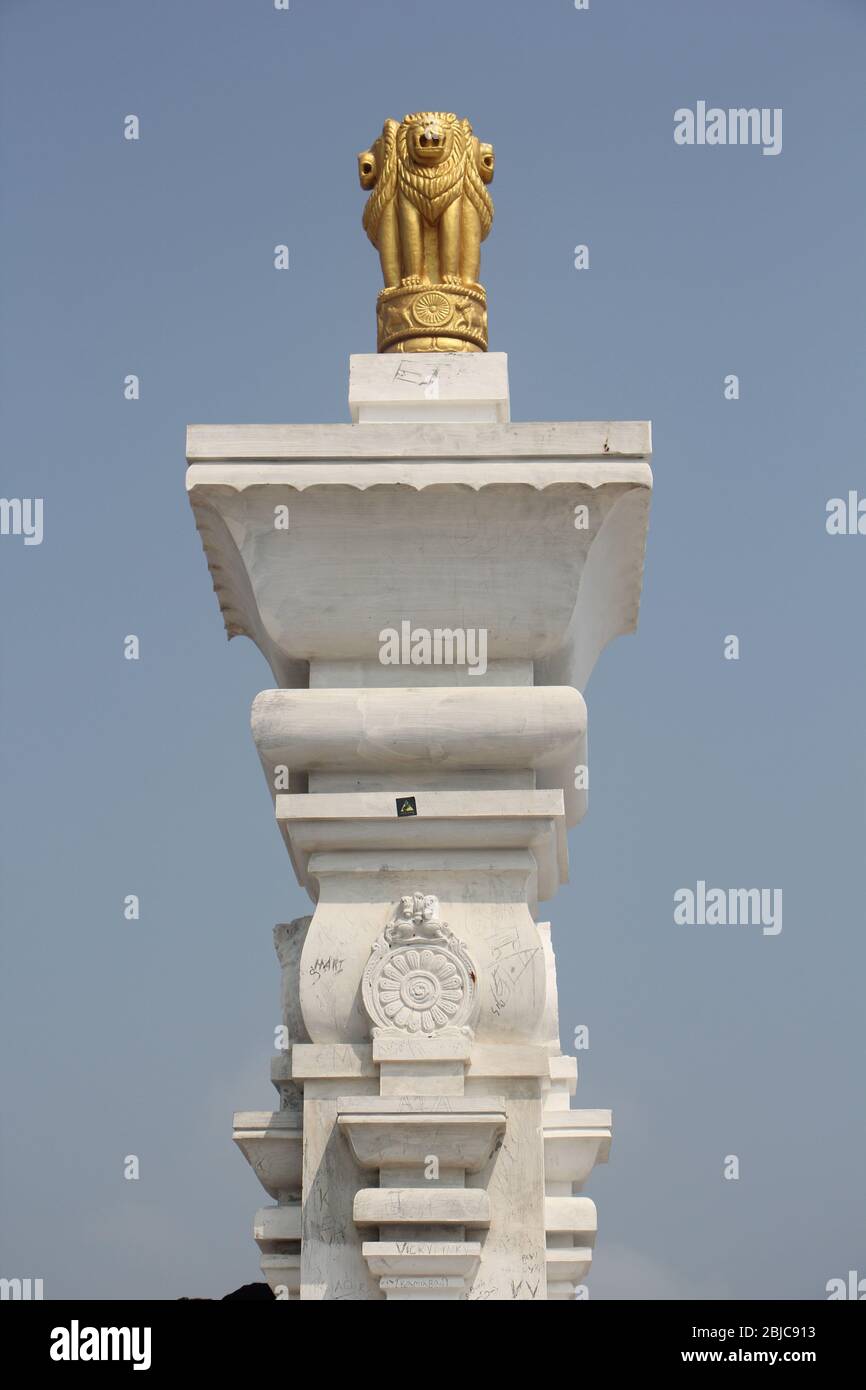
x,y
418,919
427,215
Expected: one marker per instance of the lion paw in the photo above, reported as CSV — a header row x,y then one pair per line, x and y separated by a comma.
x,y
410,282
451,280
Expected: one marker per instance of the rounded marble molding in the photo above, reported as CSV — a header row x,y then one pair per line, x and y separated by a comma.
x,y
450,728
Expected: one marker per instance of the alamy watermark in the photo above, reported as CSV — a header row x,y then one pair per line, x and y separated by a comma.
x,y
851,1288
738,125
22,516
846,516
729,907
21,1289
438,646
77,1343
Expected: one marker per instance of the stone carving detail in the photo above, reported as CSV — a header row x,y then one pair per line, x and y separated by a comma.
x,y
441,318
418,917
420,979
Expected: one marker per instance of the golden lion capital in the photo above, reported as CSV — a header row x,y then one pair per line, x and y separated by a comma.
x,y
427,215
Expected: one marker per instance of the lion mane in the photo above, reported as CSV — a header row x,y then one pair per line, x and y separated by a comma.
x,y
431,190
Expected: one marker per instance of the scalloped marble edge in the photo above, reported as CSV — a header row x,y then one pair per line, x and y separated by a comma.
x,y
590,473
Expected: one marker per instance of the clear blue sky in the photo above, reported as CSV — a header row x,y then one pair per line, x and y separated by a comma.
x,y
119,777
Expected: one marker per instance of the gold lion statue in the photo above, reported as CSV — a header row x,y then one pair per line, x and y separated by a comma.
x,y
427,215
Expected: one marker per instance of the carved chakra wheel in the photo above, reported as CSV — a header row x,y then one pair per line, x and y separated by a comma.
x,y
432,309
420,979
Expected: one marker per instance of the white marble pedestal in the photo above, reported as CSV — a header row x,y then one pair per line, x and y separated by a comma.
x,y
431,586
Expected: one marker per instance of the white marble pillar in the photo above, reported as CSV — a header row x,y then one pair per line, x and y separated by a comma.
x,y
431,586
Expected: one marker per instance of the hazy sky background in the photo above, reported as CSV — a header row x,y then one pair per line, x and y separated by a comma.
x,y
120,777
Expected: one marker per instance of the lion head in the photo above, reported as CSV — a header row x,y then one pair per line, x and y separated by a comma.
x,y
430,137
368,170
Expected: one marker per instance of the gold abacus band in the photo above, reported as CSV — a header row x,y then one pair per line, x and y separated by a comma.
x,y
432,318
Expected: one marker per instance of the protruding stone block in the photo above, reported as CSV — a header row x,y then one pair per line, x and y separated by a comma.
x,y
422,1206
385,1132
450,388
271,1142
